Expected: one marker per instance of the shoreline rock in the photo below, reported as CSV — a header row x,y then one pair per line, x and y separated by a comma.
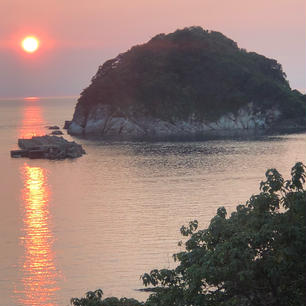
x,y
100,123
53,127
67,124
57,132
48,147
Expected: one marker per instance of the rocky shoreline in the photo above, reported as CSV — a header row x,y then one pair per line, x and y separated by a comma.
x,y
101,123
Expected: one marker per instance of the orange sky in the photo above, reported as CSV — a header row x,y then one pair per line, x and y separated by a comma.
x,y
77,36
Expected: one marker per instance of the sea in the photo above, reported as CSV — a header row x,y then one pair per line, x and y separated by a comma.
x,y
104,219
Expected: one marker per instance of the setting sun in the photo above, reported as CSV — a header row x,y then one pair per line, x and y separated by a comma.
x,y
30,44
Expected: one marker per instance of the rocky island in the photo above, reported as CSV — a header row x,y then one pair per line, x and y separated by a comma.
x,y
192,83
49,147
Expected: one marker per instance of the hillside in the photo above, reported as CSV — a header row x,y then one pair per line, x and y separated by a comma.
x,y
189,82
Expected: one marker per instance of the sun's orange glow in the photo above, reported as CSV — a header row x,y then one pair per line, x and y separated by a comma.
x,y
30,44
31,98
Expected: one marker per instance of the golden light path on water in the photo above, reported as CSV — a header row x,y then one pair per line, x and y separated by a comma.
x,y
39,273
32,121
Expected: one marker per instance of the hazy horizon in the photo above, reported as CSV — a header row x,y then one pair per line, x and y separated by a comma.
x,y
76,37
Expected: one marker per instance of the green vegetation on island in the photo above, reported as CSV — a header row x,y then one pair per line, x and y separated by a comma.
x,y
255,257
192,73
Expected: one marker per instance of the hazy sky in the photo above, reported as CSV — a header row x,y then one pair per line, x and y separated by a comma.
x,y
77,36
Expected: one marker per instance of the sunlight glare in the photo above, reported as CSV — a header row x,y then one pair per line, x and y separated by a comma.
x,y
30,44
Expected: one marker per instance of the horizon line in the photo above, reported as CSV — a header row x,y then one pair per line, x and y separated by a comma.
x,y
39,97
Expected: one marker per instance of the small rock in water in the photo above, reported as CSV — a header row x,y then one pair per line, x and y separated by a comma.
x,y
67,124
57,132
53,127
50,147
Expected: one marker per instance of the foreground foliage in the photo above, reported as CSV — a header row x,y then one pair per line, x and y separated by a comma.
x,y
256,257
94,298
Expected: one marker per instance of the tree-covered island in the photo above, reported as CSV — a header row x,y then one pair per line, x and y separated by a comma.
x,y
190,83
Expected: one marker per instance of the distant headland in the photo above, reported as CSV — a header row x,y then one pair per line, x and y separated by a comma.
x,y
192,83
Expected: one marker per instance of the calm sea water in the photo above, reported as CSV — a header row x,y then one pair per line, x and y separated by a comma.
x,y
102,220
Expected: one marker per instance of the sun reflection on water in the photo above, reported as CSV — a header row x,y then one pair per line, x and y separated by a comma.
x,y
39,272
32,123
39,281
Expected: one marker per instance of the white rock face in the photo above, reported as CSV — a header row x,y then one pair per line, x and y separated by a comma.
x,y
103,123
75,129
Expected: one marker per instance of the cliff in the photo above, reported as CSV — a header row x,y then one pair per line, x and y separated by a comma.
x,y
188,83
